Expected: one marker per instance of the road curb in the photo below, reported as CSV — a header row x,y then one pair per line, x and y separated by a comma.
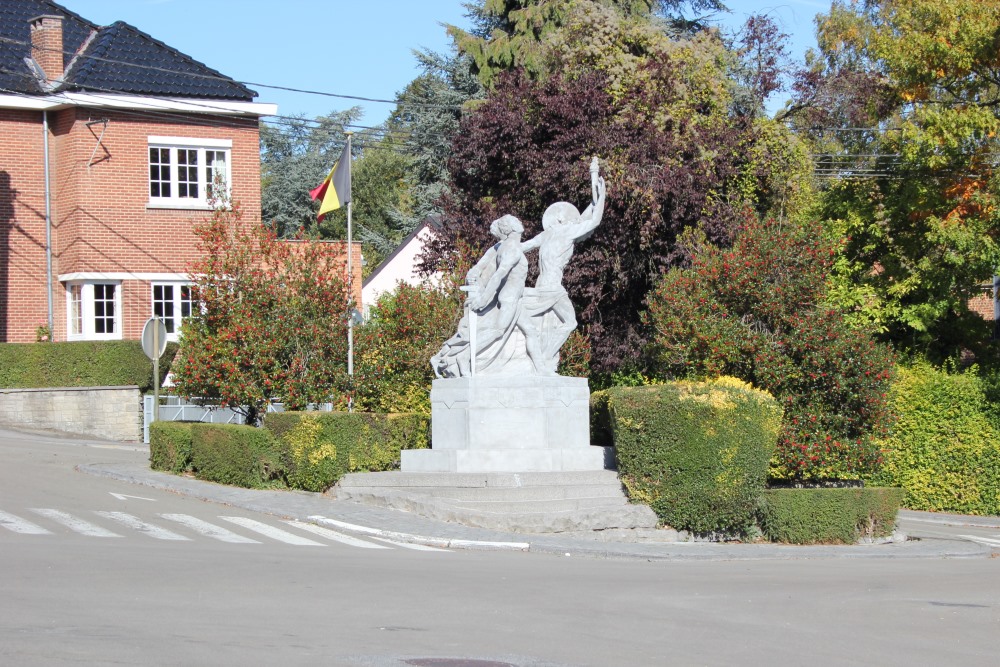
x,y
440,542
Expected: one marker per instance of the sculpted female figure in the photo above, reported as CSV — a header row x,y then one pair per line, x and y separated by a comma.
x,y
496,303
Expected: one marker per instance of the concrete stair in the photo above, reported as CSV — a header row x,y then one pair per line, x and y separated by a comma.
x,y
535,502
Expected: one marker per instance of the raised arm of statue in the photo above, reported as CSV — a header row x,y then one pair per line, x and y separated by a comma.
x,y
533,243
591,217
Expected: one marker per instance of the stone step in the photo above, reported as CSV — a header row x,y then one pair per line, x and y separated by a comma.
x,y
523,506
502,493
398,479
514,519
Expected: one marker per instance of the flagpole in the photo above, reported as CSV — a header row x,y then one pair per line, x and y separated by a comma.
x,y
350,290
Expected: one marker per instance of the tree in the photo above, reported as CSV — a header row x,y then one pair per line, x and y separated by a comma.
x,y
758,311
907,97
272,319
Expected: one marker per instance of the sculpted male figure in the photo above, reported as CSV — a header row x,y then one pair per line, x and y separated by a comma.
x,y
499,277
563,225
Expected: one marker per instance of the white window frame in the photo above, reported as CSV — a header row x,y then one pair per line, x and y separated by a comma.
x,y
176,305
88,310
201,149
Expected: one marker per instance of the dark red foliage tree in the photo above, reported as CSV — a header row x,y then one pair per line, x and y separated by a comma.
x,y
529,145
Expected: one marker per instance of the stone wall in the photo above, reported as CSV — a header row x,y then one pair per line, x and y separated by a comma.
x,y
110,413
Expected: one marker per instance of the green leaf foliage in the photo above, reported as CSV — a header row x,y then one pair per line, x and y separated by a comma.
x,y
272,322
317,448
945,448
236,455
394,347
170,446
756,311
829,516
697,453
109,363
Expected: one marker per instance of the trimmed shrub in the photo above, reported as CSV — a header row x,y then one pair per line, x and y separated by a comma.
x,y
170,446
828,516
107,363
945,448
696,452
755,311
601,432
317,448
236,455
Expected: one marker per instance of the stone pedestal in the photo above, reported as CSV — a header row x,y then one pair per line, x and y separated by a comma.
x,y
508,424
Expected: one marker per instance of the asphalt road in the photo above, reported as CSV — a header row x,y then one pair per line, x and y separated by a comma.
x,y
73,597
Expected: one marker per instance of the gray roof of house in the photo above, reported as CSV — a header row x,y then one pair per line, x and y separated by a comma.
x,y
117,59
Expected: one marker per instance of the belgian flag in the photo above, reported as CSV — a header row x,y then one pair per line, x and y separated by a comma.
x,y
339,177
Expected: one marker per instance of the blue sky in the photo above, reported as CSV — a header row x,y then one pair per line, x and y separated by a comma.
x,y
345,47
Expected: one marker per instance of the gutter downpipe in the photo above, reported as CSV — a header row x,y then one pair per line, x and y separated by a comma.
x,y
48,220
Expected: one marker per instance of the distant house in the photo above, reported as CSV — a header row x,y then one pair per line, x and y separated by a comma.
x,y
401,264
111,143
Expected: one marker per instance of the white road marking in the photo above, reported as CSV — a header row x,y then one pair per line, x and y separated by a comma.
x,y
208,529
409,545
334,536
122,496
982,540
75,523
137,524
19,525
272,532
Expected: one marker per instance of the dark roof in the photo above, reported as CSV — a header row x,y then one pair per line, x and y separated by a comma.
x,y
117,59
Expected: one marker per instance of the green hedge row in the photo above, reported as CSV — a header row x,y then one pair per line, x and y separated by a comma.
x,y
303,450
170,446
697,453
109,363
945,447
319,447
828,516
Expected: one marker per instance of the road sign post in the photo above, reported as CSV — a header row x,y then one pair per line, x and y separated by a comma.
x,y
154,344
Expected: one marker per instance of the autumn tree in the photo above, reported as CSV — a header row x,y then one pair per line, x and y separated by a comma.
x,y
905,104
271,322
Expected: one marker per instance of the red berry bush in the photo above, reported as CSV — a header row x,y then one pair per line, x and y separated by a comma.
x,y
756,311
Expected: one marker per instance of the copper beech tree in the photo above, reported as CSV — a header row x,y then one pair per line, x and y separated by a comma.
x,y
270,321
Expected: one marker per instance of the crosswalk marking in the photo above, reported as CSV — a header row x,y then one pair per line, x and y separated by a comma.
x,y
409,545
334,535
208,529
135,523
19,525
75,524
990,542
272,532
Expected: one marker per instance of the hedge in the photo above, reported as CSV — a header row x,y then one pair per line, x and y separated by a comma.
x,y
697,453
945,447
110,363
170,446
237,455
319,447
828,516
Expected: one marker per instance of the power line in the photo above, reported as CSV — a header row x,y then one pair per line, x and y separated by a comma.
x,y
226,79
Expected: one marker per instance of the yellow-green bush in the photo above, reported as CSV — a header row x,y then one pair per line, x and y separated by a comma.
x,y
945,449
317,448
696,452
170,446
828,516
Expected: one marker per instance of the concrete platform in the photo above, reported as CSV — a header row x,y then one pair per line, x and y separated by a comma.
x,y
531,502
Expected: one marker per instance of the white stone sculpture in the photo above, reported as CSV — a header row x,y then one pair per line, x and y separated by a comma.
x,y
506,324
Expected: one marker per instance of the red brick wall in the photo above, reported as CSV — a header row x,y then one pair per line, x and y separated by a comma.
x,y
23,304
101,222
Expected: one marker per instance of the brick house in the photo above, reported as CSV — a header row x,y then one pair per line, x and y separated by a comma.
x,y
110,144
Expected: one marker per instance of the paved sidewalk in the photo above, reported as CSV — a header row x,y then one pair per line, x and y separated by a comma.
x,y
405,526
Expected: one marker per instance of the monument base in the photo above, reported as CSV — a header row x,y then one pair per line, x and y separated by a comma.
x,y
509,424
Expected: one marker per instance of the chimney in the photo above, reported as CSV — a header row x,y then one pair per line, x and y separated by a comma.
x,y
47,45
